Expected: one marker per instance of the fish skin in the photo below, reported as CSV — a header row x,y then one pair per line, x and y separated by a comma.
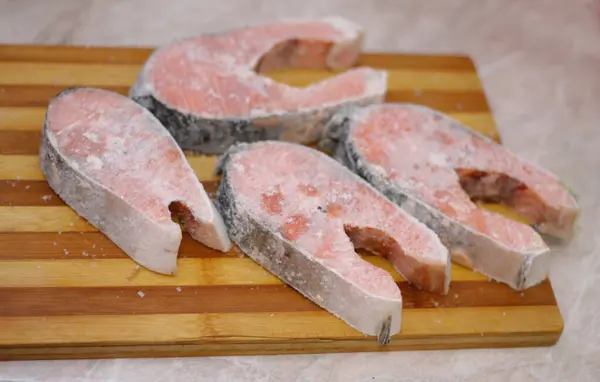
x,y
520,269
200,132
290,259
152,242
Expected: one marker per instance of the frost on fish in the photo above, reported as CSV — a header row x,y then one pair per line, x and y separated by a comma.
x,y
300,214
116,165
434,167
209,93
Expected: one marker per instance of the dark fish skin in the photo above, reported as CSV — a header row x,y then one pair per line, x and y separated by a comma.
x,y
202,135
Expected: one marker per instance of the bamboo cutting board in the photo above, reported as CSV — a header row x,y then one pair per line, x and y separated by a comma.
x,y
67,292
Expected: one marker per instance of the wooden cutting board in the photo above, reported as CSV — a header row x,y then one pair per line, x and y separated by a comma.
x,y
67,292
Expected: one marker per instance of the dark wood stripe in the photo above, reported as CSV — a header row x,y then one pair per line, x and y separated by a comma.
x,y
16,302
86,245
74,54
129,55
39,193
21,143
38,95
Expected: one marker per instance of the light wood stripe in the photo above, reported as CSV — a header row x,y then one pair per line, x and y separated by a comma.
x,y
130,55
424,62
39,193
98,271
67,74
250,327
397,79
124,272
57,74
36,193
32,118
22,118
27,167
93,246
20,167
42,219
25,141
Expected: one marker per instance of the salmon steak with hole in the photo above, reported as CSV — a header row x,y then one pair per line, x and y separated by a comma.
x,y
209,91
300,214
112,161
435,168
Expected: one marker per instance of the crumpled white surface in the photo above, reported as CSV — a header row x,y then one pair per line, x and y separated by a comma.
x,y
540,65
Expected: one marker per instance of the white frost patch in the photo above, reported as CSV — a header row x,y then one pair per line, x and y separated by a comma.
x,y
94,162
438,159
116,143
343,25
46,198
271,190
91,136
239,167
178,289
141,294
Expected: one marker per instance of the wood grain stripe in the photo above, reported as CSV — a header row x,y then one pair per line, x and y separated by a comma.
x,y
74,54
445,101
101,75
20,143
22,118
27,167
32,118
38,95
85,245
65,74
278,346
42,219
24,140
129,55
39,193
62,301
257,327
397,79
93,246
203,270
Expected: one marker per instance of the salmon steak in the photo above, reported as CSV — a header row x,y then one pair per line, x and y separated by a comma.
x,y
300,214
210,91
435,168
112,161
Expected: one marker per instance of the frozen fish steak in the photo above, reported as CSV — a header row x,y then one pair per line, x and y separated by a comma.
x,y
300,214
113,162
434,167
209,91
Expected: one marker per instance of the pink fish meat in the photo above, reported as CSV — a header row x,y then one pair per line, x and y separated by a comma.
x,y
432,166
114,163
209,91
300,214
